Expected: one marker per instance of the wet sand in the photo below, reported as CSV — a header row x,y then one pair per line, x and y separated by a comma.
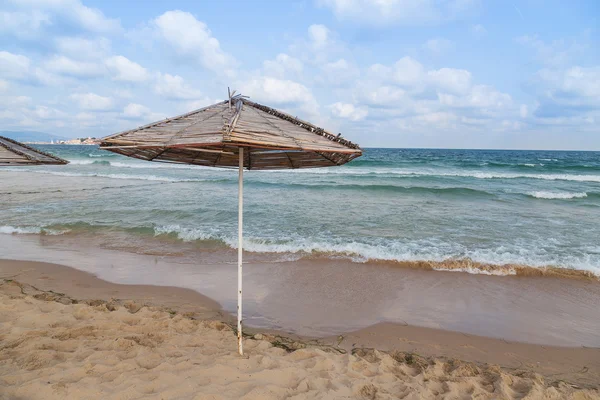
x,y
328,297
579,366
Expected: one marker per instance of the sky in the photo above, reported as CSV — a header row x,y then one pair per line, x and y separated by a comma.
x,y
385,73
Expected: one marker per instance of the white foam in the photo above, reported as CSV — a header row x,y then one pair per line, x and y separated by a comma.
x,y
557,195
478,271
101,155
185,234
81,162
156,165
414,251
29,230
466,174
111,176
424,250
135,165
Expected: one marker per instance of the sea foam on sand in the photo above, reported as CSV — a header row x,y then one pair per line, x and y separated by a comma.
x,y
51,350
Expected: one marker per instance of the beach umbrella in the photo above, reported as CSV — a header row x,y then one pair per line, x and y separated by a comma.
x,y
13,153
235,133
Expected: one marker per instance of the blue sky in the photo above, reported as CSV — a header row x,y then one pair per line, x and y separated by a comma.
x,y
386,73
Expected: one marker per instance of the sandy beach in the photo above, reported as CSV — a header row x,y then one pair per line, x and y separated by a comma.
x,y
68,334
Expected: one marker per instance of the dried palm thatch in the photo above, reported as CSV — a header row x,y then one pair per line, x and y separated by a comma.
x,y
212,136
15,153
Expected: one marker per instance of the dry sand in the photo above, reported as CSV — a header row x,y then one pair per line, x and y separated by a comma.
x,y
150,345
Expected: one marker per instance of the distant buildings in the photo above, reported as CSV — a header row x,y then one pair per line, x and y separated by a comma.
x,y
78,141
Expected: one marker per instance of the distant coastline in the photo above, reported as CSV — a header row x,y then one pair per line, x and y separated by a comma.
x,y
78,141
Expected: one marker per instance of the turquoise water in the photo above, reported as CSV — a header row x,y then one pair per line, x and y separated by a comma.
x,y
536,208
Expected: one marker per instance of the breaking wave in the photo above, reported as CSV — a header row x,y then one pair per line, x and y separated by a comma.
x,y
134,165
423,254
557,195
30,230
116,176
467,174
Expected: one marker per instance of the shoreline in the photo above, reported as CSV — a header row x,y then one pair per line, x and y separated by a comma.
x,y
555,362
325,297
179,245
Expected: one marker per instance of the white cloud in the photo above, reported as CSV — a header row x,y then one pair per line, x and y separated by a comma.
x,y
23,25
438,46
3,85
197,104
81,48
92,101
557,53
339,72
123,69
348,111
405,95
18,100
123,93
523,111
90,19
319,35
480,96
18,67
280,92
13,66
81,69
191,38
46,78
138,112
133,110
282,66
384,96
575,81
407,12
320,45
408,72
451,80
44,112
568,92
174,87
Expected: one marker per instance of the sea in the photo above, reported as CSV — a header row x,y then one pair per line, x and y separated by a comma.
x,y
478,211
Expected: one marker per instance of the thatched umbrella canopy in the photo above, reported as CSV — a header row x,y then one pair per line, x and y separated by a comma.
x,y
212,136
13,153
235,133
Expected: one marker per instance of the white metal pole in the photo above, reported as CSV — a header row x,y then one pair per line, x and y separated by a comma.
x,y
240,237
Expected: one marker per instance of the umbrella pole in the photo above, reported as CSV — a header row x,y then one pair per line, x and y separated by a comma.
x,y
240,237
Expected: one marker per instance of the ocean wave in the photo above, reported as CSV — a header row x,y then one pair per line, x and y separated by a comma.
x,y
89,162
104,154
135,165
438,255
426,254
557,195
187,234
480,269
467,174
30,230
115,176
458,191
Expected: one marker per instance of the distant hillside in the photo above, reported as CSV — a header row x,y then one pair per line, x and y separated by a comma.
x,y
29,136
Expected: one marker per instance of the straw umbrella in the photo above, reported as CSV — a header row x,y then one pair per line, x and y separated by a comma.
x,y
13,153
235,133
